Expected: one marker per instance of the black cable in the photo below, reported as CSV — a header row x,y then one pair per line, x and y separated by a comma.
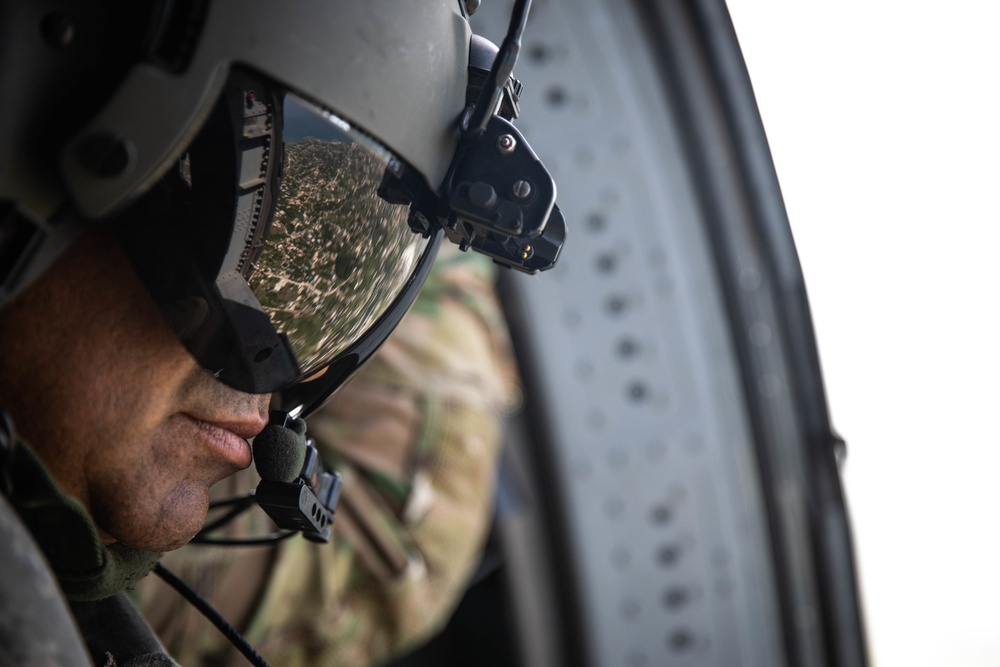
x,y
232,500
234,637
241,506
264,540
503,67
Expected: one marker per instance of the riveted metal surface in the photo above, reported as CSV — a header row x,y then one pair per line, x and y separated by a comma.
x,y
633,359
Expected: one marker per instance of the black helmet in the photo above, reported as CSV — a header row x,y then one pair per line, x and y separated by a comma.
x,y
279,174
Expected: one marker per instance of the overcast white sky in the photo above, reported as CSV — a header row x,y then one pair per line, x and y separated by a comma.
x,y
884,124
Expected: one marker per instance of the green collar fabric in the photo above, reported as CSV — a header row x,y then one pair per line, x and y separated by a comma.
x,y
86,569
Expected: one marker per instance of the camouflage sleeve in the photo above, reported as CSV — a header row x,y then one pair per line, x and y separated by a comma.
x,y
416,436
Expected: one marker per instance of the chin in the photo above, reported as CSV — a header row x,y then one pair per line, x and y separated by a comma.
x,y
178,518
173,544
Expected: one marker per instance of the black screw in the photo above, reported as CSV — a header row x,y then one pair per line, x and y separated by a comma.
x,y
596,222
627,347
681,640
637,391
674,598
104,155
538,53
556,96
661,514
668,555
617,304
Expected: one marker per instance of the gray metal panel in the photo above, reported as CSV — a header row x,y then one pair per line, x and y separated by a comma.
x,y
651,441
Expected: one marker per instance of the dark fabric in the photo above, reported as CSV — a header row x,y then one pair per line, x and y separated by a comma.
x,y
36,629
116,634
86,569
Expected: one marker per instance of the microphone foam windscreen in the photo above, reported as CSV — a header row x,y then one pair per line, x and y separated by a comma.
x,y
279,453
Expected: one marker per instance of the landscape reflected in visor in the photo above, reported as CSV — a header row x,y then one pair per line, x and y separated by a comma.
x,y
336,254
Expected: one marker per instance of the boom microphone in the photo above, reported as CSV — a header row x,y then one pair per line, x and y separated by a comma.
x,y
279,451
295,490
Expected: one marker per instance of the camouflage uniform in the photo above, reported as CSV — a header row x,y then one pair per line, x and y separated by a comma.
x,y
416,437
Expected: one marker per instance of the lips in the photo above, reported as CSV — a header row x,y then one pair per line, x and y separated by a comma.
x,y
227,439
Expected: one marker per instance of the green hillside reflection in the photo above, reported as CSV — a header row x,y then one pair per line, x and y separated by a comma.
x,y
335,251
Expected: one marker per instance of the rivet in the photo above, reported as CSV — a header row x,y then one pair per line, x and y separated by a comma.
x,y
506,144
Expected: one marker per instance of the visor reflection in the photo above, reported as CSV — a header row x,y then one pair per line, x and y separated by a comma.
x,y
336,255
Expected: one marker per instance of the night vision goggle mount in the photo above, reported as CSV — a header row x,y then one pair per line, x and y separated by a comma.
x,y
498,198
502,201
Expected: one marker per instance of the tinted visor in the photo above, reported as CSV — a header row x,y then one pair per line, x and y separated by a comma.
x,y
278,253
336,255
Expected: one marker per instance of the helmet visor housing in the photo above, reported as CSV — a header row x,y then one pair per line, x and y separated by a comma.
x,y
279,253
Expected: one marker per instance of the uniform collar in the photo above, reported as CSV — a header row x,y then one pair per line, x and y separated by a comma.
x,y
86,568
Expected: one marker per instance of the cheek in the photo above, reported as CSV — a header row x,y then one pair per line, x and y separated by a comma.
x,y
118,342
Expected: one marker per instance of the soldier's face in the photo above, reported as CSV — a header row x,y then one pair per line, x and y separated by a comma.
x,y
119,411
